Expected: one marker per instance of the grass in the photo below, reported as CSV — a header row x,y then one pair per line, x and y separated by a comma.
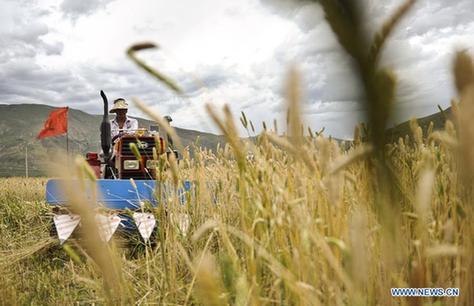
x,y
273,231
276,220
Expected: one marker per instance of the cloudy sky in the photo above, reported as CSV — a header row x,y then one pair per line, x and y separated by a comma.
x,y
63,52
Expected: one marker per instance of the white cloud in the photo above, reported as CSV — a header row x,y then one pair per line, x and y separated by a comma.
x,y
75,9
61,52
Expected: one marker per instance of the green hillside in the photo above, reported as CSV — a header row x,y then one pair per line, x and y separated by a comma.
x,y
19,125
403,129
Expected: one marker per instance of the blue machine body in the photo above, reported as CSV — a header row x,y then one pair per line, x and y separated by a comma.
x,y
116,194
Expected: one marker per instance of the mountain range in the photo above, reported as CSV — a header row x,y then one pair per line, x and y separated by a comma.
x,y
438,119
19,125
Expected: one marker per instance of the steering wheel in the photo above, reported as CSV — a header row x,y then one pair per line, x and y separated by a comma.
x,y
116,137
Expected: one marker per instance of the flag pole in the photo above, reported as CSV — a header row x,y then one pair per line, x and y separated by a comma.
x,y
67,143
67,133
26,159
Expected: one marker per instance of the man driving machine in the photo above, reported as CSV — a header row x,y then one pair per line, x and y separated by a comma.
x,y
121,124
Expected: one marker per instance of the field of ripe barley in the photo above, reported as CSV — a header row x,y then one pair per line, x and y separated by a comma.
x,y
301,222
285,217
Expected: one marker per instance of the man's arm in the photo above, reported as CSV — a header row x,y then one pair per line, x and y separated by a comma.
x,y
134,125
114,130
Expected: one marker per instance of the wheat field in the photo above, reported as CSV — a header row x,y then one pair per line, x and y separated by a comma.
x,y
310,227
291,218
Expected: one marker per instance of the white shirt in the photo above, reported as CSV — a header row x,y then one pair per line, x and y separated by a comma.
x,y
130,126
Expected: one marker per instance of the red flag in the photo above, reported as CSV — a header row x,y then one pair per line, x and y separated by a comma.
x,y
56,124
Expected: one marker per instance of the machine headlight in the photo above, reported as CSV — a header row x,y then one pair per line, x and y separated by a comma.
x,y
131,165
151,164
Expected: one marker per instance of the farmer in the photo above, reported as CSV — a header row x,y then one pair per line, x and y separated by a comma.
x,y
122,124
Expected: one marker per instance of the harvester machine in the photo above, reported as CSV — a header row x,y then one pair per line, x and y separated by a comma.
x,y
126,187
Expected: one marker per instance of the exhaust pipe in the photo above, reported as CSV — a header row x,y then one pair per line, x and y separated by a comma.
x,y
105,140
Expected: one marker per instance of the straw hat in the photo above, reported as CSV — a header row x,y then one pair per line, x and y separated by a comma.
x,y
119,104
